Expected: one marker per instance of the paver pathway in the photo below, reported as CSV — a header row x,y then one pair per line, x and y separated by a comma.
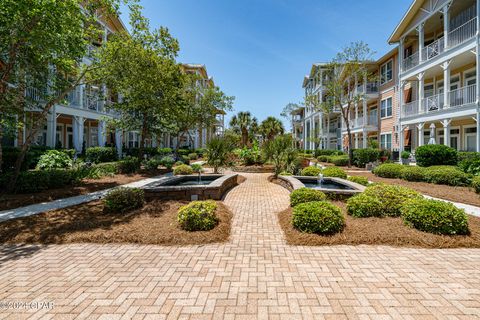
x,y
255,275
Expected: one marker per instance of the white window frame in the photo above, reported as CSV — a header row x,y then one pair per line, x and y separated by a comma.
x,y
465,135
386,134
383,77
391,108
459,136
465,79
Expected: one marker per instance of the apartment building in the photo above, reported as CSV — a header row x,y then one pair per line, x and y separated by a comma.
x,y
198,137
321,130
438,71
79,121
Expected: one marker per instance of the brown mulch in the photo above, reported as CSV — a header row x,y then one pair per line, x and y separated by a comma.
x,y
11,201
379,231
155,223
456,194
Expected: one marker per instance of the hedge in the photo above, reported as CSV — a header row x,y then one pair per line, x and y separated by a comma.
x,y
121,200
182,170
198,216
340,161
303,195
363,156
391,197
364,205
101,154
359,179
334,172
412,173
447,175
311,171
319,217
435,154
388,170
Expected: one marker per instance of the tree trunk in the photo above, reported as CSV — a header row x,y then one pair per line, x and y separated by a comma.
x,y
349,135
142,139
1,149
244,137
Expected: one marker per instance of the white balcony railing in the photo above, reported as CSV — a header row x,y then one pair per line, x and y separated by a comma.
x,y
463,33
457,36
371,88
456,98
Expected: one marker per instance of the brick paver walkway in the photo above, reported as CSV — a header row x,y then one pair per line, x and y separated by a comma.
x,y
255,275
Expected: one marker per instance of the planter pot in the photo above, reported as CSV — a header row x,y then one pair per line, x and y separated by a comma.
x,y
383,159
406,161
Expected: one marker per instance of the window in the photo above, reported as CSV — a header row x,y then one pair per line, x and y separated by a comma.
x,y
386,141
133,140
386,72
470,138
428,90
386,108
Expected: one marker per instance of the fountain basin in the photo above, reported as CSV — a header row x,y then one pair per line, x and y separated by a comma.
x,y
212,186
330,186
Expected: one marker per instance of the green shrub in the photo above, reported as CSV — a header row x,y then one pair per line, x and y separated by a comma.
x,y
100,170
164,151
121,200
363,156
182,170
471,166
303,195
39,180
323,158
54,159
59,178
129,165
389,170
178,163
198,216
447,175
167,162
359,179
285,173
193,156
101,154
200,151
152,164
435,216
467,155
196,167
318,217
340,161
311,171
334,172
185,159
435,154
405,155
476,184
391,197
413,173
327,153
363,205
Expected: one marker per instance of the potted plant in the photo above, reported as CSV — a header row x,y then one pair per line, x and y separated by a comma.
x,y
405,155
384,155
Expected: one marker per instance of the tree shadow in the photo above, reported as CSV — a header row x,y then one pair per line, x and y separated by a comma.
x,y
10,252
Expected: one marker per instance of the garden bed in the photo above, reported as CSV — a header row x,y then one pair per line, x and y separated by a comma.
x,y
155,223
11,201
254,169
456,194
379,231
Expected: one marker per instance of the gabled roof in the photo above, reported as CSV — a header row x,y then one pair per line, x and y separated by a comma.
x,y
407,18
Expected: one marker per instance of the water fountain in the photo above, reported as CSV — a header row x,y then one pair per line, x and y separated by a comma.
x,y
320,179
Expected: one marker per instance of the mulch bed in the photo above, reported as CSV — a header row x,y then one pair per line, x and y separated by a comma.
x,y
379,231
456,194
155,223
11,201
254,169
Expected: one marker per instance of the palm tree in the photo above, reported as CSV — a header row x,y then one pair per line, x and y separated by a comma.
x,y
271,127
243,122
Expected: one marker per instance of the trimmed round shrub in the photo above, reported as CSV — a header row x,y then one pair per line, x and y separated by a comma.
x,y
391,197
319,217
339,161
193,156
359,179
447,175
435,155
468,155
476,184
167,162
363,205
198,216
164,151
311,171
363,156
413,173
197,167
152,164
121,200
303,195
435,216
101,154
389,170
129,165
323,158
54,159
182,170
334,172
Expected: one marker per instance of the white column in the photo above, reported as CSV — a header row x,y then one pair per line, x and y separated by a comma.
x,y
356,140
102,133
78,127
356,114
365,136
446,83
421,40
400,138
119,142
51,128
328,133
400,56
304,134
314,133
421,94
446,131
446,23
420,128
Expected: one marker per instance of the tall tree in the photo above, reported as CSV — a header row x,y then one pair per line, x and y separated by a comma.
x,y
349,68
141,68
41,45
243,122
271,127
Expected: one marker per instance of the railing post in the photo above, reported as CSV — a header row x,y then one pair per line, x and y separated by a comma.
x,y
446,23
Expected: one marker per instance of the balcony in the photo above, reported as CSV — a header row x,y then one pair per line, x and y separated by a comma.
x,y
456,98
370,121
370,88
456,37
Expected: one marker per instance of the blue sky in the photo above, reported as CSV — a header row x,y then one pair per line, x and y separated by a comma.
x,y
259,50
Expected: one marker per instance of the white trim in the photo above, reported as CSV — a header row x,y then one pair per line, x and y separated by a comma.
x,y
381,75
